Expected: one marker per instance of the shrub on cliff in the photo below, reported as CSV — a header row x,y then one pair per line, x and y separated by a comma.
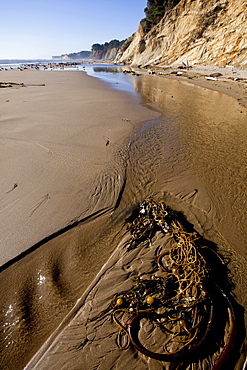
x,y
155,11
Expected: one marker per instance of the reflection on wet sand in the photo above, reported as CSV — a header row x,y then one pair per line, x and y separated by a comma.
x,y
194,156
204,154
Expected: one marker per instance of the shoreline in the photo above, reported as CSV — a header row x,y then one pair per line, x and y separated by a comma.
x,y
228,80
108,269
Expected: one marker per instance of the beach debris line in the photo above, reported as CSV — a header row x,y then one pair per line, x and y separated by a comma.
x,y
177,312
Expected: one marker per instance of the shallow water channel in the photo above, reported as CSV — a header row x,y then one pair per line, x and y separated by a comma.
x,y
198,148
194,156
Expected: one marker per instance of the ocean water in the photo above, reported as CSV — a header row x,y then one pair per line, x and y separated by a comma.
x,y
15,63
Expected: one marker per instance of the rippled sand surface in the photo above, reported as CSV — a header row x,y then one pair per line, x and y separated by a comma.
x,y
194,156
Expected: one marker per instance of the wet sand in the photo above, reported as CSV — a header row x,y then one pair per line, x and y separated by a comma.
x,y
228,80
194,157
55,139
63,153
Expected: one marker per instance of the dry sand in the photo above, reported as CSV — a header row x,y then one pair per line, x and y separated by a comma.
x,y
52,281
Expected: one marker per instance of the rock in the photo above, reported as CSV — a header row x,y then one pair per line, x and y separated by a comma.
x,y
214,33
216,74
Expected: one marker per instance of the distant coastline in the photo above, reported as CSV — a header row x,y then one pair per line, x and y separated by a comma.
x,y
85,54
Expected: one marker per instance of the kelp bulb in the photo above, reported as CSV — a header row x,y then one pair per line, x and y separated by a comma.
x,y
119,302
150,300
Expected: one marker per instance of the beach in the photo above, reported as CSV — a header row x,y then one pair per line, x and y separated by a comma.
x,y
76,157
50,136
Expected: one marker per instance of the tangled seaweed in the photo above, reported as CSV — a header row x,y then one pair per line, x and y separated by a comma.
x,y
181,305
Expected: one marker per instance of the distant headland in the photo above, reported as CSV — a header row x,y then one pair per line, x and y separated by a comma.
x,y
106,51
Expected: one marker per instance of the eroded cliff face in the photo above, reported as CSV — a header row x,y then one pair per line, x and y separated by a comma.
x,y
109,54
197,31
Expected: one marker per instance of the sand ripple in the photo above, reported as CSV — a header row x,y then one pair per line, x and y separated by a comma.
x,y
195,157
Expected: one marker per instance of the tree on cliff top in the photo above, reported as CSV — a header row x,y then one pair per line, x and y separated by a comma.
x,y
156,9
113,44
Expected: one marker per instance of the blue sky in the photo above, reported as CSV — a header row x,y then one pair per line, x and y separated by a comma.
x,y
39,29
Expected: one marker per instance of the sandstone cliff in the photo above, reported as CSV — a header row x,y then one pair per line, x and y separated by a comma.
x,y
109,54
197,31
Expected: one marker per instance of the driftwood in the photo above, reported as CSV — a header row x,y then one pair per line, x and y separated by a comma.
x,y
11,84
21,84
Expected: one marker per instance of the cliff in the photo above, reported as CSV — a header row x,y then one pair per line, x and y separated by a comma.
x,y
109,54
197,31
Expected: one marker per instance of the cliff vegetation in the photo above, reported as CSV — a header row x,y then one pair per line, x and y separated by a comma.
x,y
155,11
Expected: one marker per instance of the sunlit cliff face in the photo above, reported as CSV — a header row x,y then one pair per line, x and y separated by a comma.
x,y
202,32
